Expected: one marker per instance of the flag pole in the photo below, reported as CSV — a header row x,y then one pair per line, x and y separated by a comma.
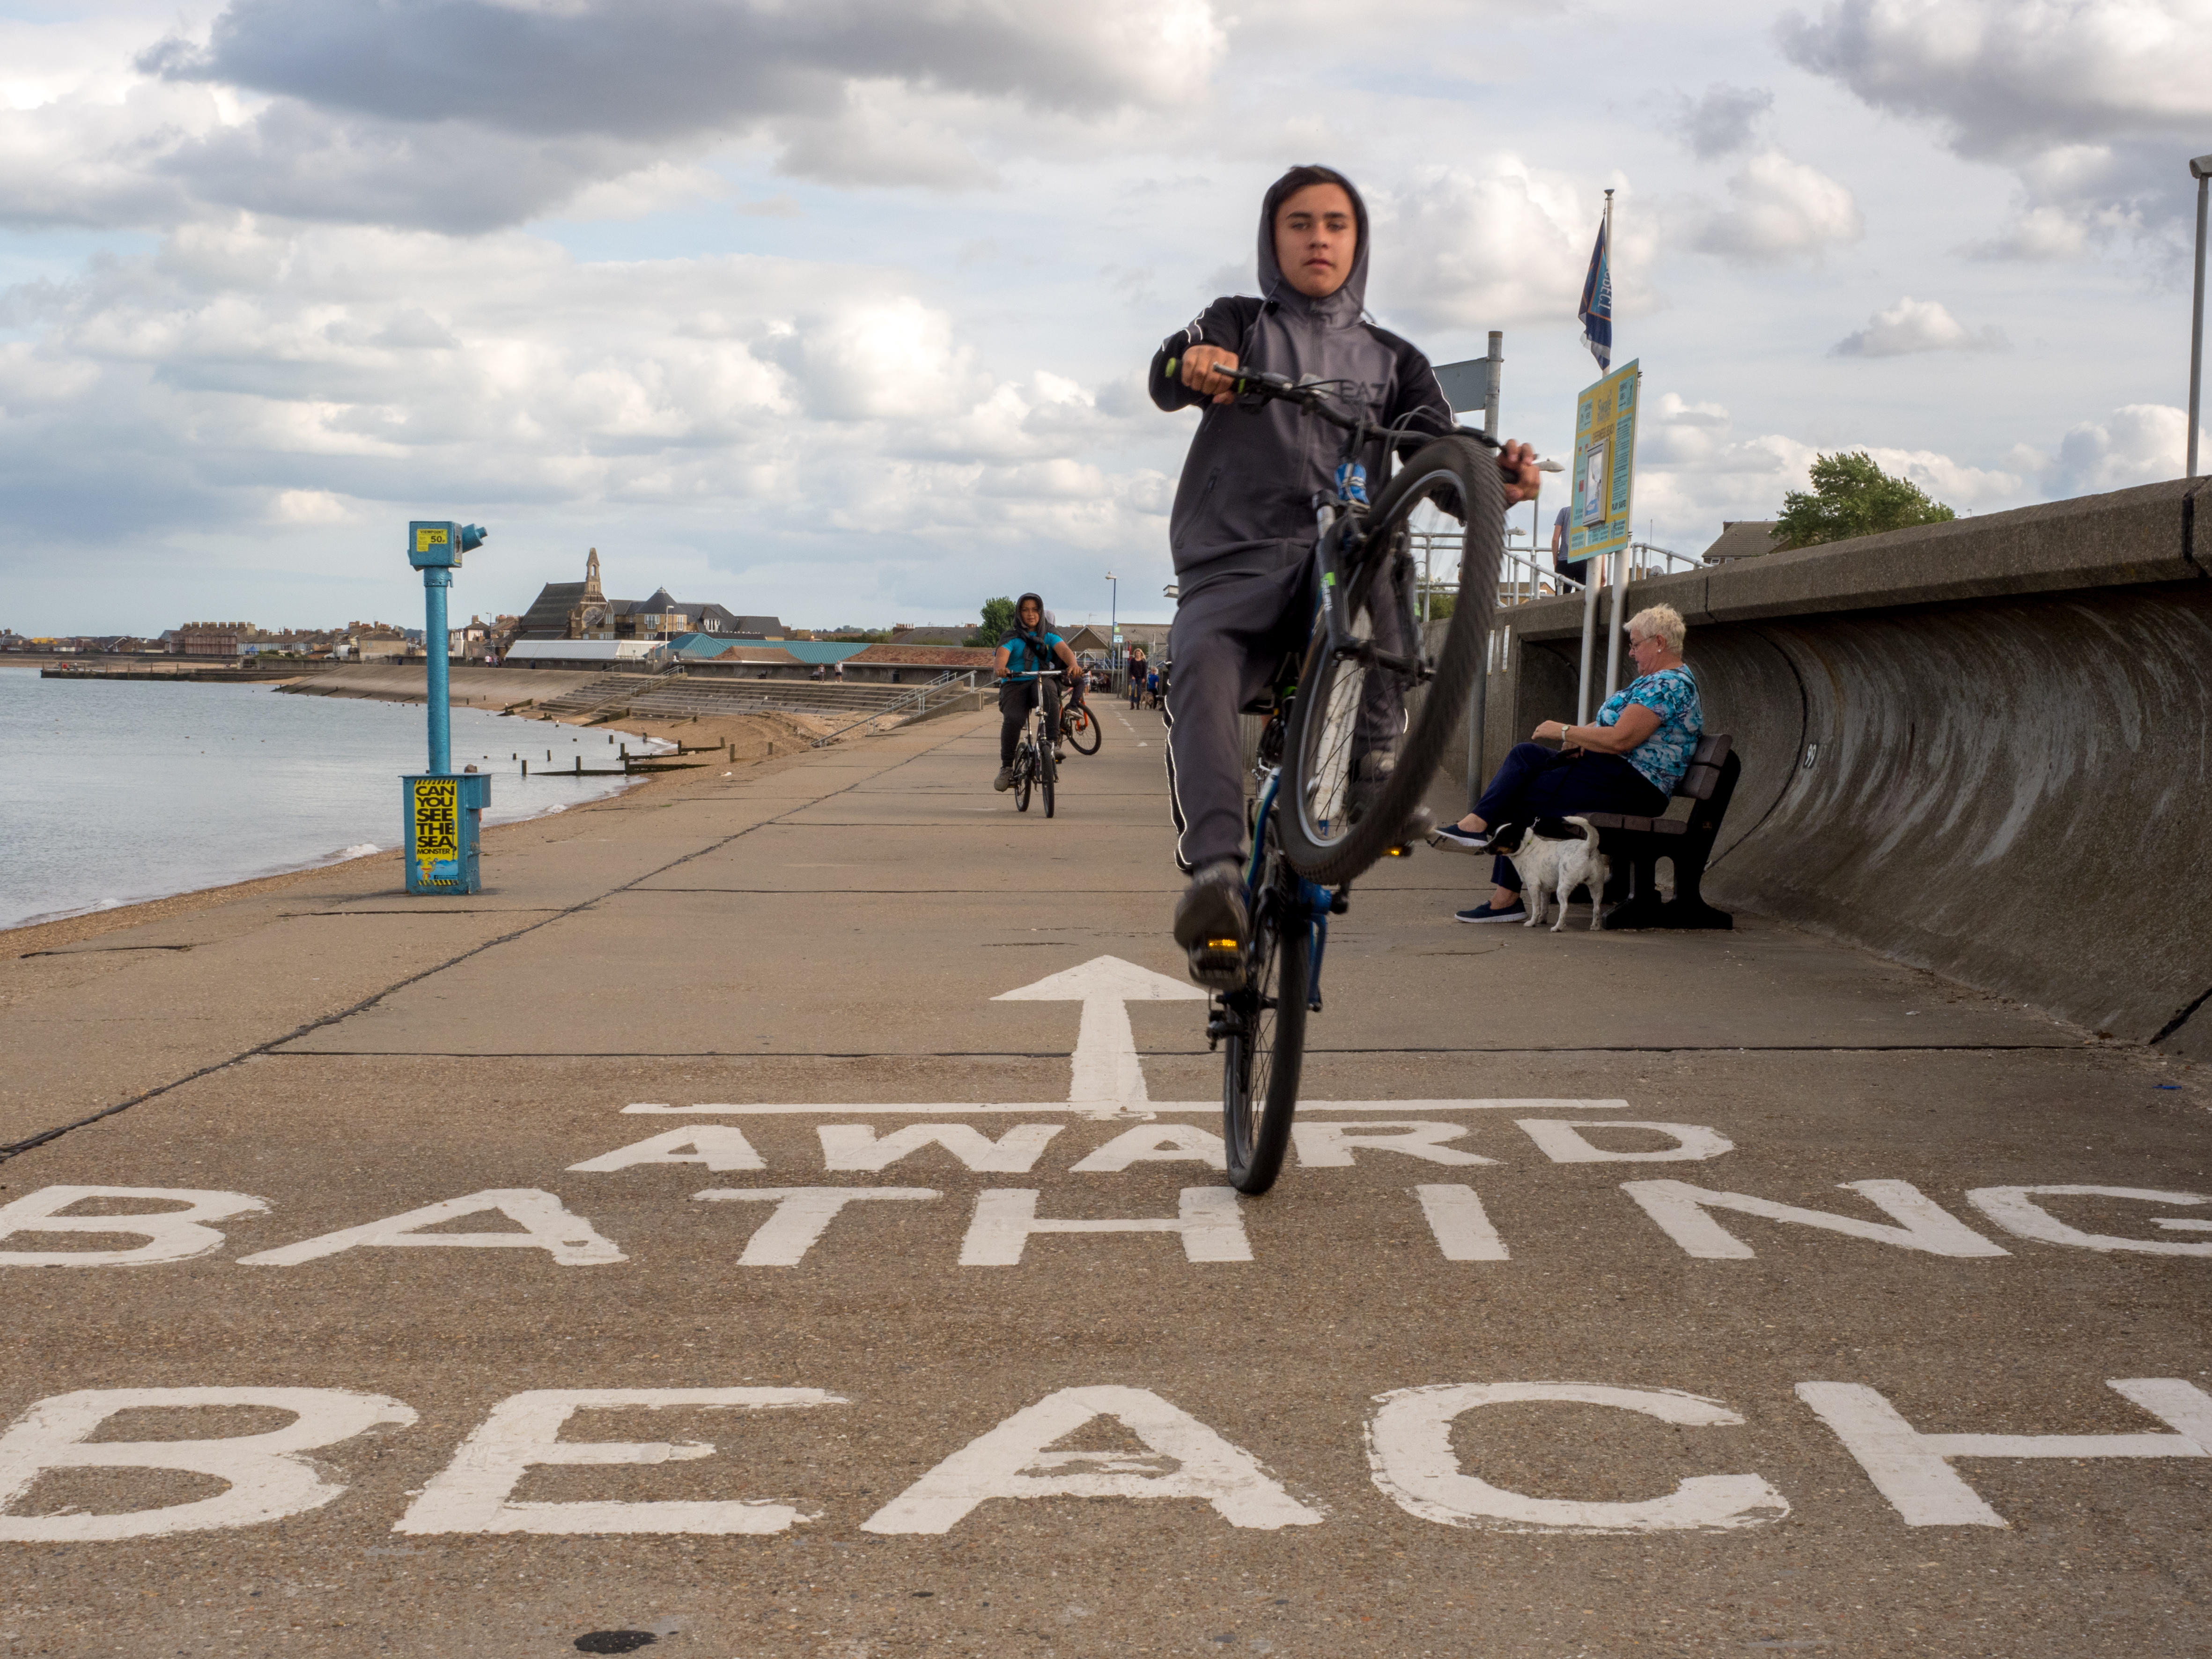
x,y
1589,574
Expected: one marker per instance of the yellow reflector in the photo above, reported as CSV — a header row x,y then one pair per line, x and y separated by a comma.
x,y
1221,944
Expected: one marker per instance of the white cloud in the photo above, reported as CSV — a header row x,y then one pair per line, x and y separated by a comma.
x,y
1779,209
2089,101
1724,121
1912,326
1505,245
2136,444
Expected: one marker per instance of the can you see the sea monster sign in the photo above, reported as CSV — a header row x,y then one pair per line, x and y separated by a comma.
x,y
1605,464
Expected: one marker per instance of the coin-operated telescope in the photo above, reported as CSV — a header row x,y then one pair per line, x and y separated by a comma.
x,y
442,811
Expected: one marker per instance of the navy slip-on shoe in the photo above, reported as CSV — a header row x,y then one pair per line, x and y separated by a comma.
x,y
1455,839
1482,912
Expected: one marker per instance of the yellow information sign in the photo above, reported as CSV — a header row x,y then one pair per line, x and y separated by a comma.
x,y
437,828
1605,464
428,536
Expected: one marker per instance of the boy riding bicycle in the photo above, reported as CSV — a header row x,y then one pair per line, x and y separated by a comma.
x,y
1243,526
1024,657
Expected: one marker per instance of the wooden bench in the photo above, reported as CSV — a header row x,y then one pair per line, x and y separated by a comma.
x,y
1637,844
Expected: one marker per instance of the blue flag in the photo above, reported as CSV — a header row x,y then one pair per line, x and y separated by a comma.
x,y
1596,308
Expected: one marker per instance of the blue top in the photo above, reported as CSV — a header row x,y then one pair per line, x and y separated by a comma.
x,y
1672,695
1019,653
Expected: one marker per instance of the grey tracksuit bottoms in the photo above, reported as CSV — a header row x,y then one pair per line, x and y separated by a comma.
x,y
1229,646
1229,643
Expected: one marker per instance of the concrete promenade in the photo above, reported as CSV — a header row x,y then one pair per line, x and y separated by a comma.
x,y
674,1240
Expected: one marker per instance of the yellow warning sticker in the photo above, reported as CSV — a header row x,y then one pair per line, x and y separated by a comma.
x,y
437,825
428,536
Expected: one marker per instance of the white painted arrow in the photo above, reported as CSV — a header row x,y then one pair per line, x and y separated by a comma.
x,y
1105,1074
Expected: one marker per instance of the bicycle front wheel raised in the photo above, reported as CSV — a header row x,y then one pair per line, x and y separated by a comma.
x,y
1265,1048
1367,729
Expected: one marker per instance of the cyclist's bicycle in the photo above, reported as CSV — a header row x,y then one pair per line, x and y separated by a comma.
x,y
1034,766
1344,762
1081,729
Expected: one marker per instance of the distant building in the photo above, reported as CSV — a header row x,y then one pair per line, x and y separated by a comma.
x,y
931,636
582,611
213,639
1742,538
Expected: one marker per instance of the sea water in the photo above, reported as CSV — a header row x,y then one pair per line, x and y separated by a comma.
x,y
116,791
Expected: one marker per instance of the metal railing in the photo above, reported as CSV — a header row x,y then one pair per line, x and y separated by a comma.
x,y
915,703
1525,575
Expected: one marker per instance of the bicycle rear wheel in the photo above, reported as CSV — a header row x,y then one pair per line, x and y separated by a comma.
x,y
1265,1048
1084,735
1361,751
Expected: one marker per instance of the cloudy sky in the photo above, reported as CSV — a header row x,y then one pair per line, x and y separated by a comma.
x,y
839,308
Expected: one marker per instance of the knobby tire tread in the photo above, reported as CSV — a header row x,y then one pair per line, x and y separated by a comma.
x,y
1456,663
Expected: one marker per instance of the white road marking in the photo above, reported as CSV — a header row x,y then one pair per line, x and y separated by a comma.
x,y
1461,1226
1409,1451
1913,1470
170,1234
854,1146
802,1215
1329,1145
1208,1220
473,1493
1188,1460
1156,1143
1566,1143
720,1146
1679,1209
1104,1072
268,1478
2015,1209
547,1224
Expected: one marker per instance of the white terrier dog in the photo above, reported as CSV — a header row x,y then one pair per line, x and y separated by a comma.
x,y
1556,856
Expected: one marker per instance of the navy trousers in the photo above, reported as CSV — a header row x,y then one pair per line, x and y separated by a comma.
x,y
1538,781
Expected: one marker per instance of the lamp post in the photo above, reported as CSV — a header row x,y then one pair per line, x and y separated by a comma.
x,y
1113,623
2200,169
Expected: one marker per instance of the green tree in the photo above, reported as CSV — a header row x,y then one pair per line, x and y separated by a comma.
x,y
998,621
1853,496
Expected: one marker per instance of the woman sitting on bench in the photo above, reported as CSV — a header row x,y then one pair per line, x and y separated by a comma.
x,y
1628,760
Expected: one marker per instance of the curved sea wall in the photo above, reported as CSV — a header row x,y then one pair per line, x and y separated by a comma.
x,y
1984,747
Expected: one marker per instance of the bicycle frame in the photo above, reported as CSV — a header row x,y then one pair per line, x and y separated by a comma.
x,y
1318,902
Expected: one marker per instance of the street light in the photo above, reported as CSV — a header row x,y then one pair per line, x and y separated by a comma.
x,y
1114,624
2200,169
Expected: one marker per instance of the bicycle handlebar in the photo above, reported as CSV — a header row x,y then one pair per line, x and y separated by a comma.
x,y
1311,394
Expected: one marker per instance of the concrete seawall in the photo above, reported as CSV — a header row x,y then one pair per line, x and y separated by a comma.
x,y
1981,747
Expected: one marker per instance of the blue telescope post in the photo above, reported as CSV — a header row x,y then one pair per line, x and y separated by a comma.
x,y
443,811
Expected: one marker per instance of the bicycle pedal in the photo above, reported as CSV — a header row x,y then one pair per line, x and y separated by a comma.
x,y
1219,964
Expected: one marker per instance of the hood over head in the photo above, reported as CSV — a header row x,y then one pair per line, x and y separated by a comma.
x,y
1273,285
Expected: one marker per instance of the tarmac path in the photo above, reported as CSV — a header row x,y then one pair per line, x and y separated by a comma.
x,y
688,1245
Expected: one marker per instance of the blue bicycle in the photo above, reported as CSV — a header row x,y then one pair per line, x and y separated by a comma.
x,y
1350,746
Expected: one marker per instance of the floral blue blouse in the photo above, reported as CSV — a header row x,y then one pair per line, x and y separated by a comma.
x,y
1672,695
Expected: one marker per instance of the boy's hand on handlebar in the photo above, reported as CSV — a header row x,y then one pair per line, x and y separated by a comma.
x,y
1517,461
1201,372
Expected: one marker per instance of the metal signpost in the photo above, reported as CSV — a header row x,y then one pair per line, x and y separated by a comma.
x,y
2200,169
1597,521
441,810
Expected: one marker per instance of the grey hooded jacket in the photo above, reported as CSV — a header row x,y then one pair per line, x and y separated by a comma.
x,y
1246,500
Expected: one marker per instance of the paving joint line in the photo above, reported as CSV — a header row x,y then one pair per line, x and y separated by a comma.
x,y
16,1149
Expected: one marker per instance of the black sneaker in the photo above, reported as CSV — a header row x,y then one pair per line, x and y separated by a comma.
x,y
1211,924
